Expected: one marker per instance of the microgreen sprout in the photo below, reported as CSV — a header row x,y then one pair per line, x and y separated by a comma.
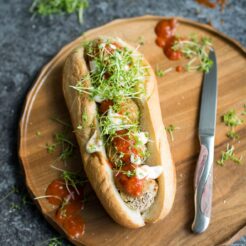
x,y
61,122
141,40
23,198
54,241
15,206
232,120
197,51
51,7
170,129
129,173
229,155
66,145
71,178
47,196
13,190
50,148
38,133
160,73
117,74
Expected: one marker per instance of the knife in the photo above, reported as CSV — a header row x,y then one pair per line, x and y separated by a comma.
x,y
203,181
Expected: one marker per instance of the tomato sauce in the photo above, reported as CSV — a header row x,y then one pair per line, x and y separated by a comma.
x,y
125,144
74,226
165,31
131,185
56,192
207,3
179,69
169,52
104,106
212,4
70,202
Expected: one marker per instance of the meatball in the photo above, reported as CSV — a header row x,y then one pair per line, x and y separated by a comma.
x,y
130,109
144,201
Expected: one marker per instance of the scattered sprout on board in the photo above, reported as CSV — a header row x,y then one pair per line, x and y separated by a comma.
x,y
170,129
232,120
160,73
229,155
141,40
61,122
66,145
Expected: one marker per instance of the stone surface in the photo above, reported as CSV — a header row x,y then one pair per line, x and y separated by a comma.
x,y
26,44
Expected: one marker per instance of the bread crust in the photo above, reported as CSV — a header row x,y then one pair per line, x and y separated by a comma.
x,y
96,165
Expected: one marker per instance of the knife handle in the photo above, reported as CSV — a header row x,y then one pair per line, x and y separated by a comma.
x,y
203,184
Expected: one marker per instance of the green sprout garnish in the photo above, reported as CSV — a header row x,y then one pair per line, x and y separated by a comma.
x,y
141,40
232,134
108,128
232,120
61,122
160,73
55,242
51,7
24,198
170,129
50,148
71,178
229,155
197,51
15,206
116,75
14,190
129,173
66,145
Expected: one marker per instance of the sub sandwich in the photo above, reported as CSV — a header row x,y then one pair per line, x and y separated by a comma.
x,y
111,94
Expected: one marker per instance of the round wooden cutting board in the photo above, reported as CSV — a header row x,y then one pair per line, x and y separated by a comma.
x,y
179,98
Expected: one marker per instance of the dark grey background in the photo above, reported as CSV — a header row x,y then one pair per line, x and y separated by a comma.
x,y
25,46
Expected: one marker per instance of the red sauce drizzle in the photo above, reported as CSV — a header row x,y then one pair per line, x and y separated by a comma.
x,y
125,144
70,202
57,191
207,3
213,4
165,31
179,69
104,106
131,185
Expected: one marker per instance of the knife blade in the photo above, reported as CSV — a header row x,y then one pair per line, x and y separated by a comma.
x,y
203,181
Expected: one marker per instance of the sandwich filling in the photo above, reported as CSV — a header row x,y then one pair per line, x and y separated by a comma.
x,y
118,76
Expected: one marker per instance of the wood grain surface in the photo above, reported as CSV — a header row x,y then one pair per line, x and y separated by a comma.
x,y
179,98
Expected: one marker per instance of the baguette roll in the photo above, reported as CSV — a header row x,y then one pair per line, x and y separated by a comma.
x,y
119,129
